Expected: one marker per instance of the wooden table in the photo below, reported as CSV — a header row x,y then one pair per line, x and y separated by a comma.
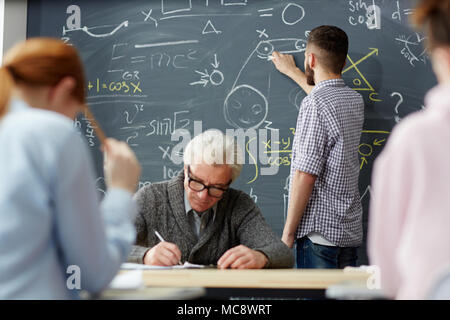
x,y
280,283
153,293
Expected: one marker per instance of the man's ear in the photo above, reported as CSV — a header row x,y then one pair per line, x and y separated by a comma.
x,y
312,60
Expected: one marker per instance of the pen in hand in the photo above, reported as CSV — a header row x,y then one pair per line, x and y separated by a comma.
x,y
162,239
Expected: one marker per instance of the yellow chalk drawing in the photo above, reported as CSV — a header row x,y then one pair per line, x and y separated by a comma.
x,y
114,86
357,82
369,147
254,161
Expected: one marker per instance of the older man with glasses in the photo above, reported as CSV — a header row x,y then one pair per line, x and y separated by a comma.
x,y
201,219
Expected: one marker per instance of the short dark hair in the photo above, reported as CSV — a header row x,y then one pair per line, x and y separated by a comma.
x,y
334,43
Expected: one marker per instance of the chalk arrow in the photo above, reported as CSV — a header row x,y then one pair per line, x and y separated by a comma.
x,y
364,161
203,74
103,35
86,30
374,50
377,142
216,63
203,82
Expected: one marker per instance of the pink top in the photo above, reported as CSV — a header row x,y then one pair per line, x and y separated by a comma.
x,y
409,216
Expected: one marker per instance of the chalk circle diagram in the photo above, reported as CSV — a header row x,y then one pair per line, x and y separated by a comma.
x,y
415,51
216,77
365,149
292,14
246,106
296,97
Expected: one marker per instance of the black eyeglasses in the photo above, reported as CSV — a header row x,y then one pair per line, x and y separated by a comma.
x,y
198,186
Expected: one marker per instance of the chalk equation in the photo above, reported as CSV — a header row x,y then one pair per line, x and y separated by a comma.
x,y
365,13
114,86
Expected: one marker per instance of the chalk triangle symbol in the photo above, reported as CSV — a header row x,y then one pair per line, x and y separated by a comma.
x,y
209,28
356,77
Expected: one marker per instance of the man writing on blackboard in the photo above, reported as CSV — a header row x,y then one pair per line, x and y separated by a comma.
x,y
325,213
196,217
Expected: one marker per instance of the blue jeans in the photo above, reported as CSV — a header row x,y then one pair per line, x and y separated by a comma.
x,y
311,255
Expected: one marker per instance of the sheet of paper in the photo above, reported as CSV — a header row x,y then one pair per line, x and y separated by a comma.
x,y
137,266
188,265
127,281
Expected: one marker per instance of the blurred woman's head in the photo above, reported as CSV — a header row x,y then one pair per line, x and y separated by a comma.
x,y
434,17
46,71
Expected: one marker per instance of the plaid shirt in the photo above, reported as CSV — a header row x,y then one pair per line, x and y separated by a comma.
x,y
326,143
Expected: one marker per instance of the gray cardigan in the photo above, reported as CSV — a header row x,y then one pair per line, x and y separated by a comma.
x,y
238,221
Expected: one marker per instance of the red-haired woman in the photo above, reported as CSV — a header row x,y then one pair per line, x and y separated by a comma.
x,y
56,237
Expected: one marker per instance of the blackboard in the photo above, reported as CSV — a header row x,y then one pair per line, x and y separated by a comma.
x,y
156,66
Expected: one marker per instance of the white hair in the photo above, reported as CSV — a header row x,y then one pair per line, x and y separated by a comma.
x,y
212,147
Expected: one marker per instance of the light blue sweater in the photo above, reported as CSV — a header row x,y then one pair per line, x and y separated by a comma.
x,y
50,213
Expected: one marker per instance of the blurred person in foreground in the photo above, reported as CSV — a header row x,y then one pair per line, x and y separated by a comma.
x,y
409,216
57,239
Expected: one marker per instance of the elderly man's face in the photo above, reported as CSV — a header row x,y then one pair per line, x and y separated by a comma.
x,y
211,176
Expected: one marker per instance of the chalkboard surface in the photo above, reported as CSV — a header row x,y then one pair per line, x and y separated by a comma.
x,y
156,66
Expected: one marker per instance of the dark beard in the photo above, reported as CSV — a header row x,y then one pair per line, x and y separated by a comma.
x,y
309,73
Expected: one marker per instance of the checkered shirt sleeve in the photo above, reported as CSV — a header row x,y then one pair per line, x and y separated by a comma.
x,y
310,140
